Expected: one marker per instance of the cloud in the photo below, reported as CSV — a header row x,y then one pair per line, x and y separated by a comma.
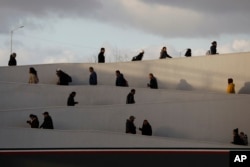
x,y
166,18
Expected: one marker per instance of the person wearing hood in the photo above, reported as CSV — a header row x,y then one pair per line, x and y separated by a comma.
x,y
146,128
130,126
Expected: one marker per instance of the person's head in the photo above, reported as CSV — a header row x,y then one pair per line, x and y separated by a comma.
x,y
145,122
230,80
13,55
32,116
45,114
132,118
91,69
242,134
189,50
73,94
236,131
164,48
33,71
117,72
132,91
214,43
58,71
151,75
102,50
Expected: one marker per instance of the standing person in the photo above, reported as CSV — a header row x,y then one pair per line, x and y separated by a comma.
x,y
120,80
71,100
130,127
34,122
63,78
188,53
92,76
230,86
146,128
164,54
12,61
213,48
33,79
130,97
236,137
101,57
47,123
153,82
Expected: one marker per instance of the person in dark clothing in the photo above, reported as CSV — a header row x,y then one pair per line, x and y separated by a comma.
x,y
213,48
92,76
130,97
130,127
34,123
120,80
139,56
47,123
236,137
63,78
146,128
188,53
101,57
71,100
12,61
164,54
153,82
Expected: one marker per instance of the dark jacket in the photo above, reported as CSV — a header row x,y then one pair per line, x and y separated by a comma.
x,y
153,83
93,78
64,78
146,130
12,61
130,98
71,101
48,123
120,80
138,57
130,127
213,50
188,53
238,140
34,123
164,55
101,58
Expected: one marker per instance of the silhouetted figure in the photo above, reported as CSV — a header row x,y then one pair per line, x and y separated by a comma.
x,y
120,80
213,48
34,123
71,101
47,123
33,78
230,86
92,76
130,127
188,53
139,56
236,137
146,128
101,57
130,97
153,82
63,78
164,54
244,138
12,61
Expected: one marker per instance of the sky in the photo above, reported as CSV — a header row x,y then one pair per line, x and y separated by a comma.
x,y
73,31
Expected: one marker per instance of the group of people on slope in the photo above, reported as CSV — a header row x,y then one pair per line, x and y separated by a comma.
x,y
146,128
163,54
47,123
239,139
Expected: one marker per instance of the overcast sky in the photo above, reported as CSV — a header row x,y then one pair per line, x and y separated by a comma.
x,y
74,30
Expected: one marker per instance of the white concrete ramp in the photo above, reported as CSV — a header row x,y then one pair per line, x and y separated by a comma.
x,y
190,110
